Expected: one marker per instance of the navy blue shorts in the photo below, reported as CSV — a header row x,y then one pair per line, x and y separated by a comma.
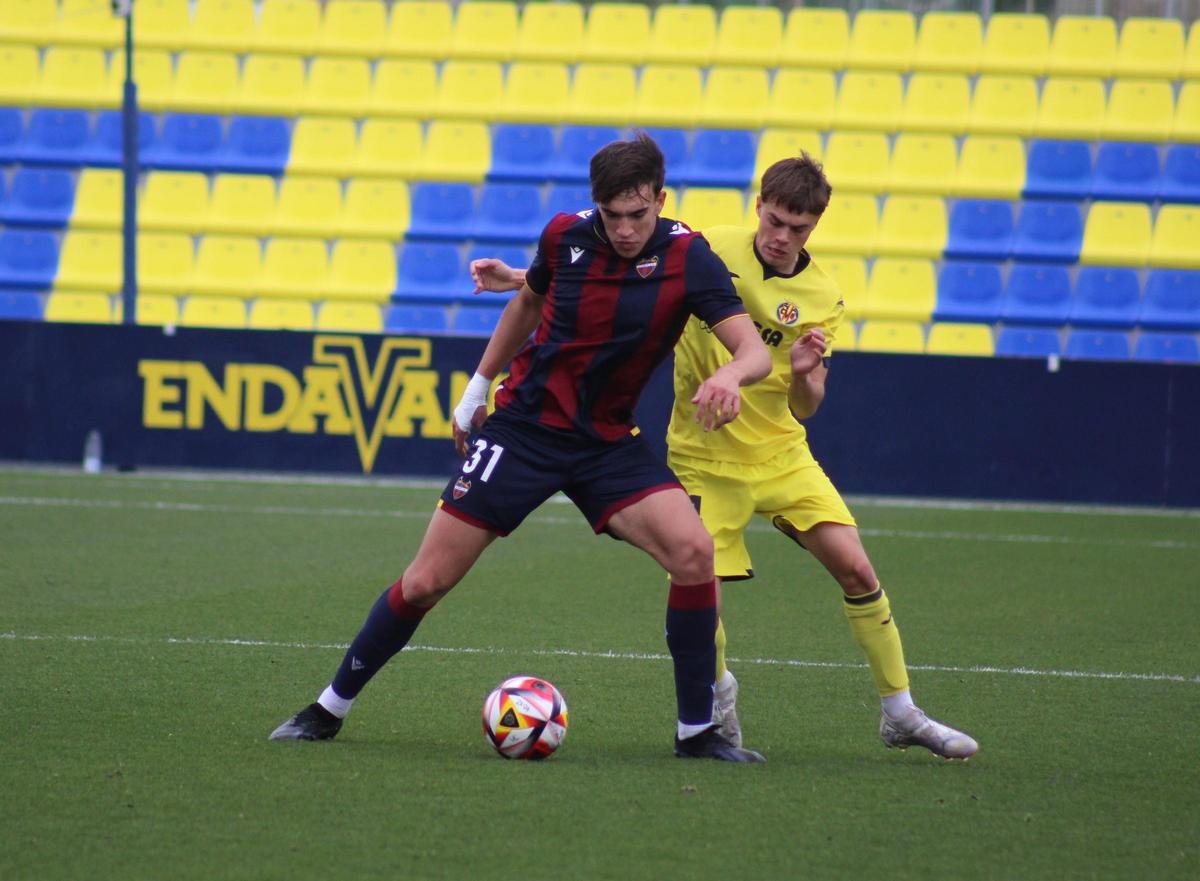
x,y
513,466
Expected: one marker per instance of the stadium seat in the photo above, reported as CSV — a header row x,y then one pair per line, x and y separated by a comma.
x,y
166,262
991,167
442,211
272,84
521,153
404,87
703,207
90,261
162,24
21,306
869,100
242,203
81,308
1126,172
1059,170
31,21
152,309
901,289
849,226
923,164
936,102
470,89
350,317
1140,110
353,27
1191,55
719,159
1172,300
28,259
815,37
1181,174
74,77
174,201
1177,348
485,29
535,92
674,145
154,73
281,314
1097,345
968,292
1187,113
682,34
802,99
474,321
416,319
390,148
1029,342
287,26
1083,45
19,75
550,32
12,131
308,206
1048,231
570,199
188,141
1116,234
1071,108
420,29
1016,43
39,197
1150,47
912,226
980,229
1106,297
323,145
456,151
509,213
227,265
205,82
1004,105
219,312
109,142
775,144
1176,242
857,161
668,94
964,340
431,272
575,151
850,274
735,97
340,86
898,337
602,94
617,32
256,144
950,42
1036,295
223,24
375,208
749,36
86,23
294,268
362,270
884,39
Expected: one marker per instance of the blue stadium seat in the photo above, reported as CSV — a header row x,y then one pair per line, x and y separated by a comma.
x,y
1172,300
1106,296
1098,345
521,153
28,259
442,211
12,129
980,229
430,271
969,292
674,144
1049,231
510,213
1058,170
1029,342
575,150
720,158
110,137
1178,347
188,141
518,258
1037,295
1127,172
415,319
1181,174
39,197
475,321
21,305
568,199
256,145
58,137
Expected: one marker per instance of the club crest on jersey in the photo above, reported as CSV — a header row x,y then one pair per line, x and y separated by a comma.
x,y
646,267
462,486
787,312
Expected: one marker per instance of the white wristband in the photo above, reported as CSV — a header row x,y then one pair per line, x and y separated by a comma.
x,y
473,398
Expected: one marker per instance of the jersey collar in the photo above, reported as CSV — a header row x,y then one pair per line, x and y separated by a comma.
x,y
769,271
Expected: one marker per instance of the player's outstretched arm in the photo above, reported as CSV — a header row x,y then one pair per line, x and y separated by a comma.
x,y
807,388
719,398
490,274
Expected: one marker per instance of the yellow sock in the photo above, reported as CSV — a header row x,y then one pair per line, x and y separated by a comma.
x,y
721,668
874,630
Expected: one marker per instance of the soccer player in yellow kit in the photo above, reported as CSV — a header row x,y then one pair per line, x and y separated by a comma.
x,y
761,462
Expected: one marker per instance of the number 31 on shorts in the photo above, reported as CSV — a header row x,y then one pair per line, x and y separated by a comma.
x,y
482,448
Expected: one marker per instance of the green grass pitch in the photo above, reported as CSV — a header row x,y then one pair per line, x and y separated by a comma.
x,y
154,629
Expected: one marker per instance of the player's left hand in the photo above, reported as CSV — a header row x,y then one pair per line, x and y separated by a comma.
x,y
718,401
807,352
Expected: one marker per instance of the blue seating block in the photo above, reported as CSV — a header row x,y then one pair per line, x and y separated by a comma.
x,y
58,137
720,158
1037,295
430,271
442,212
521,153
969,292
1172,300
1177,347
1181,174
28,259
12,128
572,161
1098,345
415,319
190,141
39,197
21,306
980,229
1049,231
508,212
256,145
568,199
1028,342
1106,297
110,138
674,144
475,321
1127,172
1058,170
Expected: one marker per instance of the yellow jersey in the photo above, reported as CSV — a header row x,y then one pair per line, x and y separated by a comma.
x,y
784,308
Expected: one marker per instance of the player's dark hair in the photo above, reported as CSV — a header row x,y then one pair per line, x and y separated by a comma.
x,y
797,184
625,166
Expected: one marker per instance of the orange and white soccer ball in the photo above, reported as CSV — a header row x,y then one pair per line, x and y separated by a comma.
x,y
525,718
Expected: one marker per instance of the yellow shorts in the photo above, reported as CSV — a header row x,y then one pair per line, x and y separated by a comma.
x,y
790,490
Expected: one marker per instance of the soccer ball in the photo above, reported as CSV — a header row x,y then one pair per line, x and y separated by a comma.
x,y
525,718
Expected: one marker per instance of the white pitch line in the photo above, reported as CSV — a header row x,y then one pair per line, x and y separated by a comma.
x,y
610,655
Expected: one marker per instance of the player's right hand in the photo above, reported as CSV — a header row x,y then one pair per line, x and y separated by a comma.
x,y
490,274
461,435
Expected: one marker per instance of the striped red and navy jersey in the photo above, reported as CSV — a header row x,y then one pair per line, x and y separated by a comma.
x,y
608,321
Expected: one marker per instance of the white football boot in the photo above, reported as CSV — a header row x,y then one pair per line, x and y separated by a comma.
x,y
914,728
725,709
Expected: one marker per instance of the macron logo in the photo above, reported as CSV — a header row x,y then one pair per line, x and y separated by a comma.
x,y
576,253
356,664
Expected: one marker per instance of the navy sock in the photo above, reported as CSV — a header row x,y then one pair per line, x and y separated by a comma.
x,y
691,637
388,628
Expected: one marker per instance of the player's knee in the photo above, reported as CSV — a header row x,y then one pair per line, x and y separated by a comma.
x,y
423,587
692,558
857,577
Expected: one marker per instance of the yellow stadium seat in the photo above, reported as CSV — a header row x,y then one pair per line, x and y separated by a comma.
x,y
390,148
206,82
750,35
670,203
485,29
850,275
90,261
294,268
1071,108
353,27
227,265
923,164
242,204
1176,241
1150,47
883,39
535,91
668,95
936,102
456,151
162,24
350,317
166,262
87,23
470,90
702,207
857,161
1187,114
912,226
901,289
735,97
289,26
815,38
420,29
152,309
1191,55
1083,45
222,24
221,312
404,88
337,86
777,143
31,21
375,208
550,32
1139,110
19,75
1016,43
602,94
1004,105
174,201
617,32
280,314
991,168
846,339
308,206
272,84
682,34
74,78
848,226
79,308
950,42
896,337
952,338
323,145
99,199
802,99
871,101
154,73
1116,234
362,270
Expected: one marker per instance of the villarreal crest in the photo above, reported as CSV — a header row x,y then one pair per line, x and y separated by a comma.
x,y
787,313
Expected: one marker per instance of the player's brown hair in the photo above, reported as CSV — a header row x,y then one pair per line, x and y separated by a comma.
x,y
797,184
624,166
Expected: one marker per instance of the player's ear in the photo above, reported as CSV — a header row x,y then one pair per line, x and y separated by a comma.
x,y
660,200
758,204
